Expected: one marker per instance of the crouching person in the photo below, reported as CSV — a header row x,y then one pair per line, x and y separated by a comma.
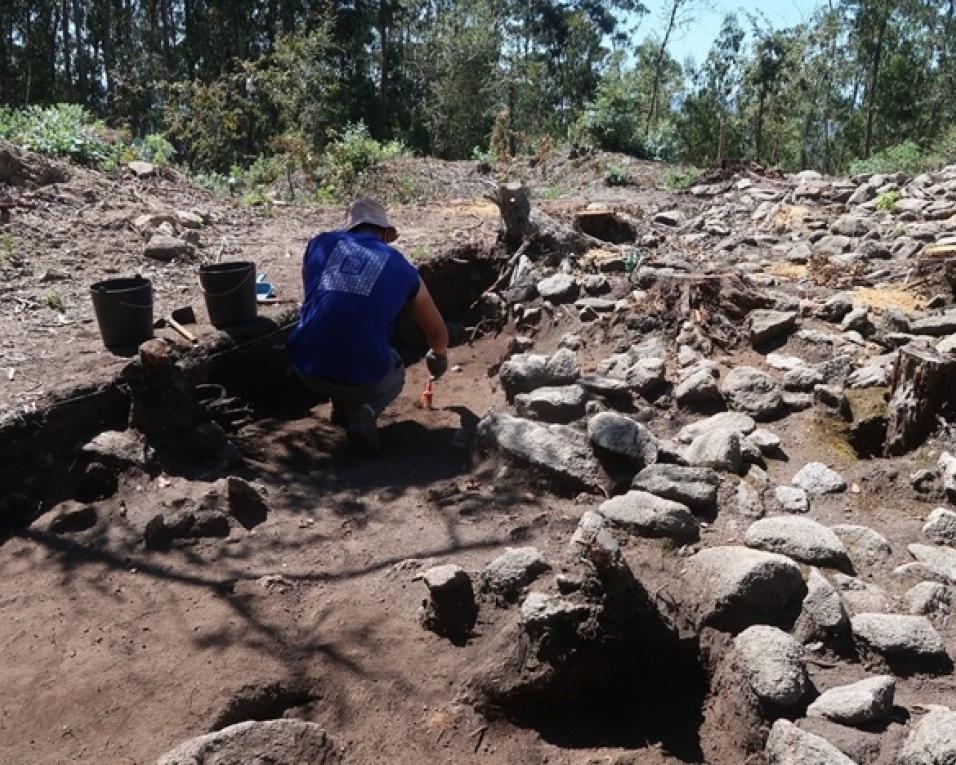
x,y
355,286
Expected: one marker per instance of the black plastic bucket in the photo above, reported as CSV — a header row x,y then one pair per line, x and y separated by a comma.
x,y
124,311
230,291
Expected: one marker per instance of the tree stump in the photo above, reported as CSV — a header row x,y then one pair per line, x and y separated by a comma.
x,y
717,304
924,386
524,223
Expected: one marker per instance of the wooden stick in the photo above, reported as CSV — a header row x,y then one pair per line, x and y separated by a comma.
x,y
182,330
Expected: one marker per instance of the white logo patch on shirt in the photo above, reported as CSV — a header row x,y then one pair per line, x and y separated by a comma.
x,y
352,268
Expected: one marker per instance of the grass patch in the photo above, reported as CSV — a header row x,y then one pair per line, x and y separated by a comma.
x,y
552,192
8,245
882,298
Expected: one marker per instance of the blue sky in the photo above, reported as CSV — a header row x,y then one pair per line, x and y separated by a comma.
x,y
696,37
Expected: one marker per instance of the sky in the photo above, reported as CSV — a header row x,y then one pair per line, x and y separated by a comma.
x,y
696,37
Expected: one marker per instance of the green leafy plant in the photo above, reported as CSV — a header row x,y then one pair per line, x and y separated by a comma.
x,y
887,202
54,301
615,175
350,155
552,192
906,157
679,178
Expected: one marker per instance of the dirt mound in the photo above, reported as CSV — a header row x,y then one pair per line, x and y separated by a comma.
x,y
24,168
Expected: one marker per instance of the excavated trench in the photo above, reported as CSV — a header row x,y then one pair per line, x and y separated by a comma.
x,y
624,677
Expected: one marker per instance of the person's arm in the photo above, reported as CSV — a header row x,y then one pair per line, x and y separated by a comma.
x,y
430,320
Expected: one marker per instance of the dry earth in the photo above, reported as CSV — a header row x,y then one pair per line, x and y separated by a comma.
x,y
298,586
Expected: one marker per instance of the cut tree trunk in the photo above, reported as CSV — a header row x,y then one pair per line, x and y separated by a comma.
x,y
924,387
525,224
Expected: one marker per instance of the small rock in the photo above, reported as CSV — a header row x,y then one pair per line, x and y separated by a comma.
x,y
773,664
865,546
523,373
552,404
792,499
563,367
540,612
752,392
67,517
245,503
692,486
800,538
788,745
764,440
863,597
719,449
592,532
648,515
646,375
560,288
749,501
165,248
866,701
930,599
618,434
451,609
940,526
699,387
817,478
119,447
188,219
822,615
514,569
723,421
947,470
766,325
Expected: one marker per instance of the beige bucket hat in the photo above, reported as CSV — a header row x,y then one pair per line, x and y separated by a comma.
x,y
369,211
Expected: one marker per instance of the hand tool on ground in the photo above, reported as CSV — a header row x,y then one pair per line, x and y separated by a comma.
x,y
425,400
181,316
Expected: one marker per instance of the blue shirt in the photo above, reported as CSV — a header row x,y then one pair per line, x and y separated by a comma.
x,y
355,287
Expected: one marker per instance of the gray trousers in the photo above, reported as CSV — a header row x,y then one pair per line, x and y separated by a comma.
x,y
377,395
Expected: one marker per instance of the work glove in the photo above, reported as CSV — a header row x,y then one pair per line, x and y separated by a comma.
x,y
437,364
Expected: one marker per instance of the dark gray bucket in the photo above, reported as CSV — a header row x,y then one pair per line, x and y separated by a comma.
x,y
230,292
124,311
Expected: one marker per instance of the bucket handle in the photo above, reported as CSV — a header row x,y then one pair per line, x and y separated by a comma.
x,y
251,272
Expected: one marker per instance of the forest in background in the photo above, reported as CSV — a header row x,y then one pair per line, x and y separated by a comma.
x,y
221,85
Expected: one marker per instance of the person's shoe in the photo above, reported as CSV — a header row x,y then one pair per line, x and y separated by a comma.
x,y
362,431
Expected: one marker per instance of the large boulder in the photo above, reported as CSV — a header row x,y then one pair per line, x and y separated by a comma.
x,y
773,663
733,587
647,515
742,423
559,288
695,487
788,745
898,636
866,701
752,392
282,742
557,450
523,373
561,404
932,741
800,538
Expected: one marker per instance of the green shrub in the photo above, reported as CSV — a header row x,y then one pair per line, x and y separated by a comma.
x,y
615,175
350,155
906,157
943,151
887,202
70,131
679,178
62,130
